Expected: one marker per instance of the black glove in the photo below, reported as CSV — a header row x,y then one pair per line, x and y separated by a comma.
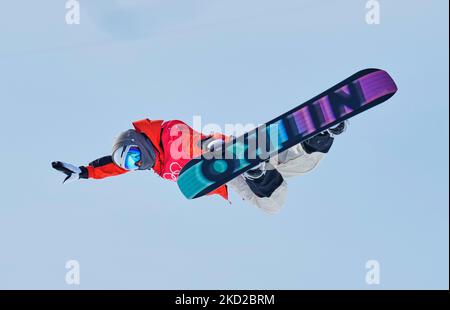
x,y
72,172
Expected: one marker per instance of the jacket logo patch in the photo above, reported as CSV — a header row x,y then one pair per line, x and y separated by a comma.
x,y
175,169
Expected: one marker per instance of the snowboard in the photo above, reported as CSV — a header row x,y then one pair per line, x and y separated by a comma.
x,y
356,94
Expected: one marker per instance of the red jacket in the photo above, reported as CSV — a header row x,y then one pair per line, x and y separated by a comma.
x,y
175,144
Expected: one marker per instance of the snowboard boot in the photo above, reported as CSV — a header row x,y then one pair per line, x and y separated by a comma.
x,y
324,140
319,143
339,129
263,180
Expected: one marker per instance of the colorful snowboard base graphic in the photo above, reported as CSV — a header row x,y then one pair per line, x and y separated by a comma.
x,y
352,96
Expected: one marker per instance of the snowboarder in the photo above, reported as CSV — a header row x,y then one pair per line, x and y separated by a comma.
x,y
156,145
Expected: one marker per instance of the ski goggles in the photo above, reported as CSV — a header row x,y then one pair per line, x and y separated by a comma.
x,y
128,157
132,158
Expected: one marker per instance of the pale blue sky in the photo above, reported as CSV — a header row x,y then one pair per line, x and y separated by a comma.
x,y
66,91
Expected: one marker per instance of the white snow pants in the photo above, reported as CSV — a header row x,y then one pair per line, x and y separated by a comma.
x,y
295,161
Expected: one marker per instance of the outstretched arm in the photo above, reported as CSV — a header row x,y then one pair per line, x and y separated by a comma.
x,y
98,169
